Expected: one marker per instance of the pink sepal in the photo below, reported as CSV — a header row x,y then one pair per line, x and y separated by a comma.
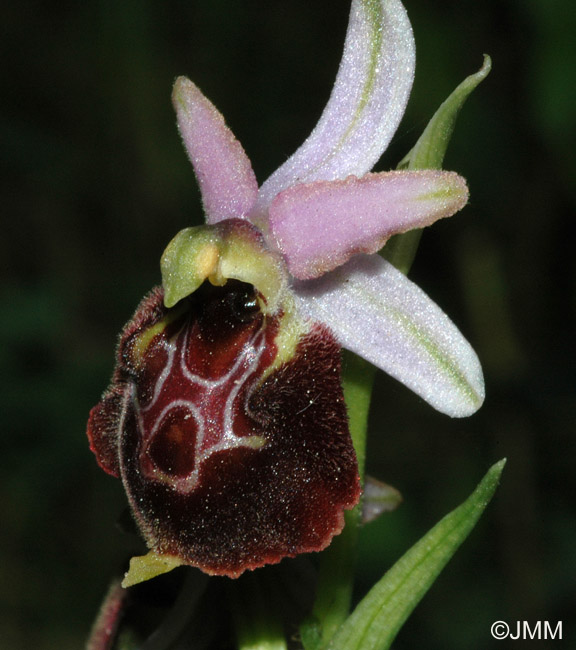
x,y
227,181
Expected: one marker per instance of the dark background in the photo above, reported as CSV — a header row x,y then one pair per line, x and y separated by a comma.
x,y
96,183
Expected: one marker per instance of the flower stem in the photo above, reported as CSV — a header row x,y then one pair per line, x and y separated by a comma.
x,y
358,380
179,615
257,622
335,580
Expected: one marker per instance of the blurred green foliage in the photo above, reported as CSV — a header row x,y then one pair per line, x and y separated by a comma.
x,y
96,183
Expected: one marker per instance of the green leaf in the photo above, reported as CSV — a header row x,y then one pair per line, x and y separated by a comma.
x,y
428,153
376,620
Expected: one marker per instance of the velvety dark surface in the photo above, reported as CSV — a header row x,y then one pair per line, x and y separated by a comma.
x,y
224,469
95,185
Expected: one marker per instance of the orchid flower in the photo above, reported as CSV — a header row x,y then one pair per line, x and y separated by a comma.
x,y
225,418
322,207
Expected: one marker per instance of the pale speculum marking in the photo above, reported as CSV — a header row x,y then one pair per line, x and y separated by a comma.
x,y
191,412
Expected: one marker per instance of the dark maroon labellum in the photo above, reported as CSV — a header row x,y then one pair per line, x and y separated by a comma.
x,y
229,461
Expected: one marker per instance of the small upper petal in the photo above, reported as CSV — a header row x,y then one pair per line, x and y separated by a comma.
x,y
319,226
366,104
227,181
378,313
